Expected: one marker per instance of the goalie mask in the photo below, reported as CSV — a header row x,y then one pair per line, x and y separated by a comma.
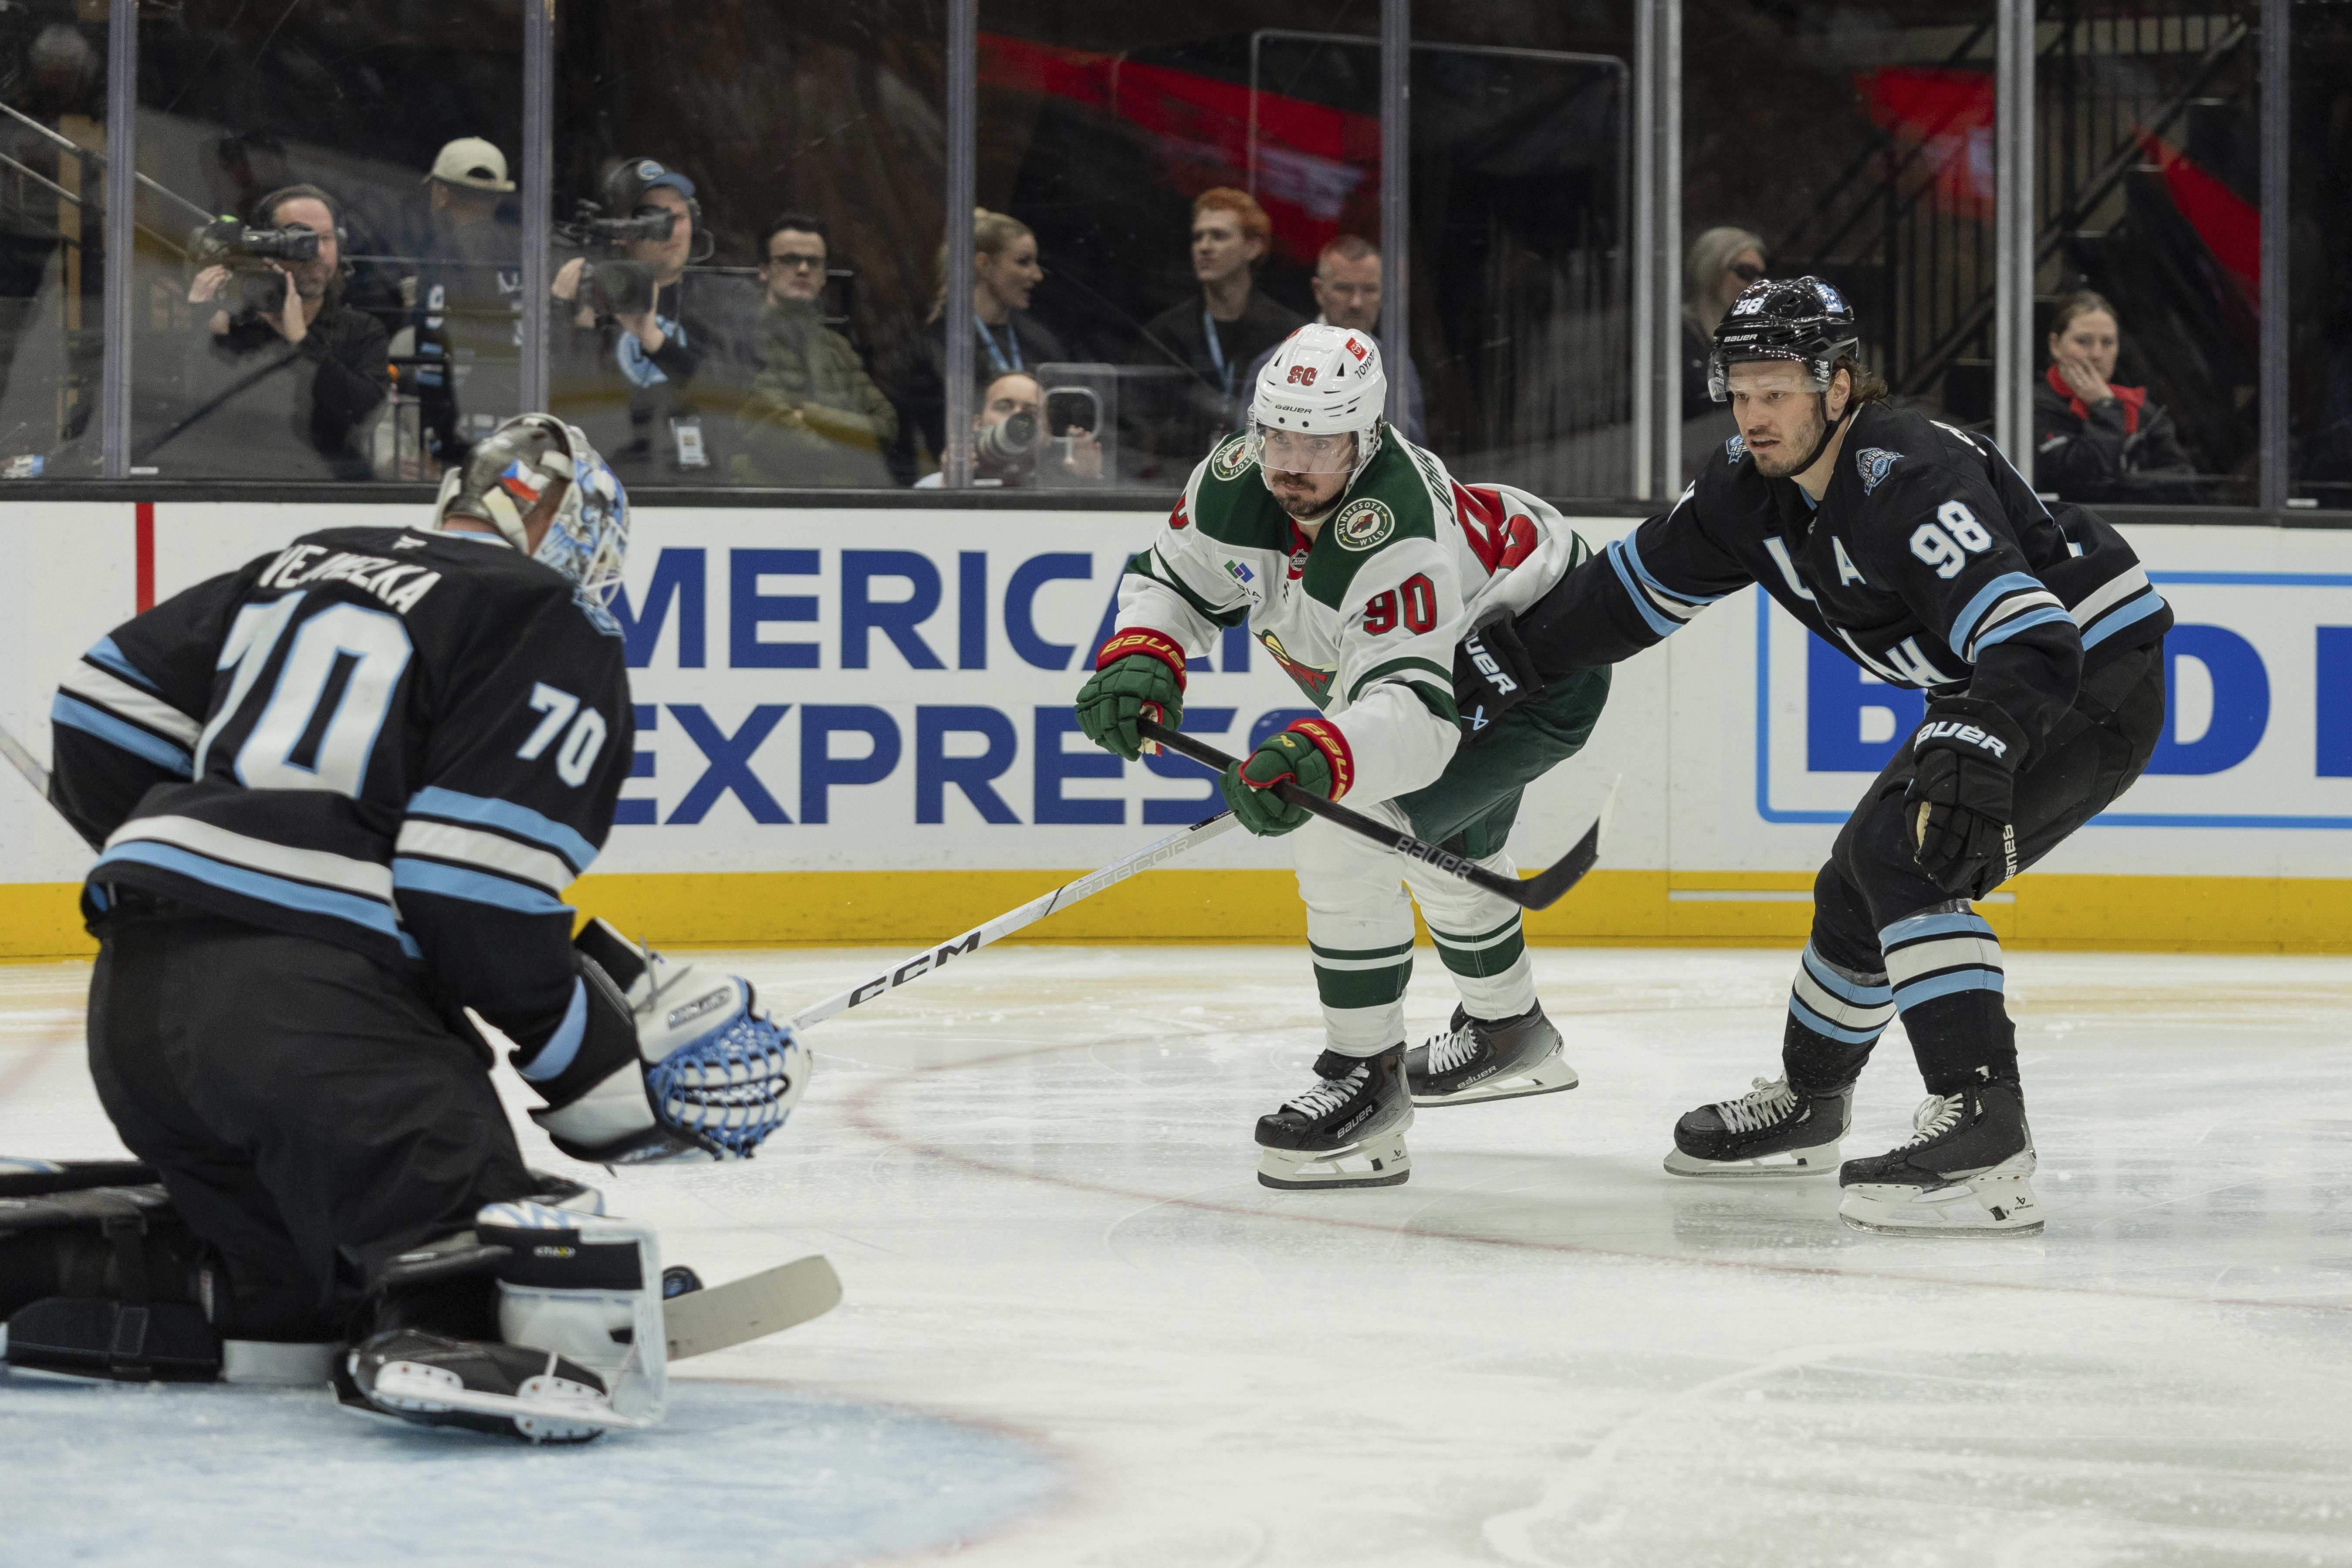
x,y
1323,386
502,479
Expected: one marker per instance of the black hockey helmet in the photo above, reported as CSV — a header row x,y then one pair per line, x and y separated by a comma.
x,y
500,480
1802,319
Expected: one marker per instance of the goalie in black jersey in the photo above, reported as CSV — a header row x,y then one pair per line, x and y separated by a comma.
x,y
1915,550
336,796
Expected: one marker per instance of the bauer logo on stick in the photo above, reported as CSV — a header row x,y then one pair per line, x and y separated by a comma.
x,y
1365,524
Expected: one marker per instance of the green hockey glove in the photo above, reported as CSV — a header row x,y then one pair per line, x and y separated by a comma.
x,y
1311,754
1139,674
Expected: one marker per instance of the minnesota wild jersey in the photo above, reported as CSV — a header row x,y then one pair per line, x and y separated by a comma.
x,y
1365,615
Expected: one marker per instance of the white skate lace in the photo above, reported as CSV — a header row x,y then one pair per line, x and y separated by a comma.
x,y
1328,1095
1767,1102
1937,1114
1451,1049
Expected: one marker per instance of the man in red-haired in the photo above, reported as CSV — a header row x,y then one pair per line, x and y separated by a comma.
x,y
1219,331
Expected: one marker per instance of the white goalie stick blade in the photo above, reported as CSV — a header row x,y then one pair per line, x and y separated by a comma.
x,y
546,1407
35,775
719,1316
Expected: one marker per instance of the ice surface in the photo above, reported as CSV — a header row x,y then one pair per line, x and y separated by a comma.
x,y
1078,1332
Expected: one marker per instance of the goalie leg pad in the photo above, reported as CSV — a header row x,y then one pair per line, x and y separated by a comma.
x,y
588,1287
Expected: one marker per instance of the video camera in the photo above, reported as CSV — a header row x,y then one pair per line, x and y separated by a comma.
x,y
617,287
247,253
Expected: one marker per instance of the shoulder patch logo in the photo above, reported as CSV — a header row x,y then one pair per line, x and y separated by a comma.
x,y
1364,524
1735,449
1231,459
1873,463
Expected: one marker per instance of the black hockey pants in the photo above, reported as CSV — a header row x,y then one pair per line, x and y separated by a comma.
x,y
1884,927
310,1114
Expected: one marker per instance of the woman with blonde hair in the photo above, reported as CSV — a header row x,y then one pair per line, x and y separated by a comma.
x,y
1721,263
1007,337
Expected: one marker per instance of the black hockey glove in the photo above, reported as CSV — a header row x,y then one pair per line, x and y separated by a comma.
x,y
1492,673
1960,807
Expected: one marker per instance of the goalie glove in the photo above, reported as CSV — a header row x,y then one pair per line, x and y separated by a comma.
x,y
672,1061
1961,807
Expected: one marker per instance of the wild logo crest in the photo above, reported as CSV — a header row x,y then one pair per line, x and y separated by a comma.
x,y
1364,524
1873,463
1229,459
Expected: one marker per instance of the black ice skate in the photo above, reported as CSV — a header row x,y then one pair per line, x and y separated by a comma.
x,y
509,1391
1488,1058
1963,1173
1772,1130
1346,1131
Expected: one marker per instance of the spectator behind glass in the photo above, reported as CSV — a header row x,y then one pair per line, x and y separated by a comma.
x,y
1216,332
1347,285
292,382
468,299
815,418
656,378
2093,440
1721,263
1015,461
1005,272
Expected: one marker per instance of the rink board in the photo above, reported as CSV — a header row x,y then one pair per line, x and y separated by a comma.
x,y
854,727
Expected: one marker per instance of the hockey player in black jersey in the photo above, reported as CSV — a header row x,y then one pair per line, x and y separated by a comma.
x,y
1916,550
336,796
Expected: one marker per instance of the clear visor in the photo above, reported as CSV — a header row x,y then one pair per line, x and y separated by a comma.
x,y
1293,452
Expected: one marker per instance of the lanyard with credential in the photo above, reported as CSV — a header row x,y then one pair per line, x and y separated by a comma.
x,y
1217,353
995,354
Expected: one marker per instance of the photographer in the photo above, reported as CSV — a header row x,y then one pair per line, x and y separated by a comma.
x,y
298,375
1012,444
676,352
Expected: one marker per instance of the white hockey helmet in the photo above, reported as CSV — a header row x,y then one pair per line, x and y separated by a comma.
x,y
500,482
1324,385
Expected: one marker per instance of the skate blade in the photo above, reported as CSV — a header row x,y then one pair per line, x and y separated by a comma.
x,y
1550,1075
1984,1206
1375,1162
1819,1161
547,1409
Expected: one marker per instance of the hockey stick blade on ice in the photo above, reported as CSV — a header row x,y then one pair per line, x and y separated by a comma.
x,y
1539,893
35,775
741,1310
931,960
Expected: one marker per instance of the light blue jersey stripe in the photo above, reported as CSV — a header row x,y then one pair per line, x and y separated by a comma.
x,y
2039,616
1633,555
478,887
1838,986
260,885
1972,611
1909,996
76,714
1664,626
1914,927
2138,610
104,653
520,820
565,1044
1820,1026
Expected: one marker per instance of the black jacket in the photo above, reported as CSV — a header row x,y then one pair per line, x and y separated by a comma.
x,y
630,402
1929,562
917,380
2095,459
1183,425
258,407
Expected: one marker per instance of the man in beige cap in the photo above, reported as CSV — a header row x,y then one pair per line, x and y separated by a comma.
x,y
468,302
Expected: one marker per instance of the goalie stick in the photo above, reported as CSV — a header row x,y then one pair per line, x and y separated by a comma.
x,y
1539,893
931,960
717,1316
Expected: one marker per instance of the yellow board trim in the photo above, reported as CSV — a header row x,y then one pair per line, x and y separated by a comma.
x,y
1610,909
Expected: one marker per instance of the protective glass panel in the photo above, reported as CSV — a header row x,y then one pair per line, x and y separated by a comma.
x,y
328,280
1852,142
52,240
1169,184
2319,274
1522,193
749,207
2147,200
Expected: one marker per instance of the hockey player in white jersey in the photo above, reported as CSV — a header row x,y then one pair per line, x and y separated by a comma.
x,y
1368,574
336,796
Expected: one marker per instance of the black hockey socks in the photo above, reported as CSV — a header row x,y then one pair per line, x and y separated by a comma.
x,y
1944,964
1836,1017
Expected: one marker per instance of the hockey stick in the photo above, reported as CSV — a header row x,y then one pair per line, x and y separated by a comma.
x,y
1539,893
932,960
35,775
748,1308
